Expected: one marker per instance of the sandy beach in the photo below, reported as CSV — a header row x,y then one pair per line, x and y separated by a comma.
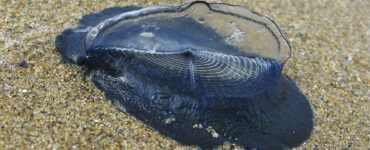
x,y
45,104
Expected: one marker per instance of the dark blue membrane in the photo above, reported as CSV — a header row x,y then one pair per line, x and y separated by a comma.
x,y
278,119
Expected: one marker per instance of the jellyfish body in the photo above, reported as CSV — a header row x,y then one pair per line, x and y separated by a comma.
x,y
178,66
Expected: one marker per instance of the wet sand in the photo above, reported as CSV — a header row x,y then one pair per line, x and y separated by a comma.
x,y
45,104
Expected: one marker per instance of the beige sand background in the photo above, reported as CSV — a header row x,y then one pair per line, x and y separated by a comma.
x,y
45,104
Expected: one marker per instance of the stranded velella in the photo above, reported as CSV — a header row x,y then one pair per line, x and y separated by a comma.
x,y
200,73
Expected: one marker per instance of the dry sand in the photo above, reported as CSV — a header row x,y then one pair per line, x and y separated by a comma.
x,y
45,104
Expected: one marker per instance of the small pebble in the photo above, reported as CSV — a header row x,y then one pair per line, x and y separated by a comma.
x,y
23,64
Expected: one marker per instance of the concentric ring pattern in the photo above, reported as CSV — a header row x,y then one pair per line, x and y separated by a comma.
x,y
204,73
